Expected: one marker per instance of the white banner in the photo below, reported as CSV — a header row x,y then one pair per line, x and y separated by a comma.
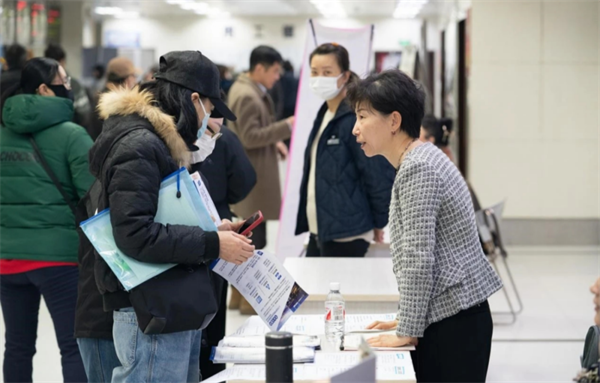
x,y
358,43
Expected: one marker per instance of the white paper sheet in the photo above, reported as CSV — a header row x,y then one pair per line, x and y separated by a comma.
x,y
384,358
256,355
206,198
259,341
266,285
352,342
314,324
359,322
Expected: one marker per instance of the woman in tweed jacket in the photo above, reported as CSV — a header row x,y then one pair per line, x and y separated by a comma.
x,y
443,276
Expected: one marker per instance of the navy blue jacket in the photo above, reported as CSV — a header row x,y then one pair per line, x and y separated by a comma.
x,y
229,173
352,191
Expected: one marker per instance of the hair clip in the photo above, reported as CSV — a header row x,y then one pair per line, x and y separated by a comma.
x,y
446,133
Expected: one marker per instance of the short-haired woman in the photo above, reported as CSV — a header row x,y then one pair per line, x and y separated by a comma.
x,y
443,276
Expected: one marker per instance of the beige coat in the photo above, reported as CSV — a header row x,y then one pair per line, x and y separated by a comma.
x,y
259,134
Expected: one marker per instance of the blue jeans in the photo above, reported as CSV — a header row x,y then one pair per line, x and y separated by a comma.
x,y
99,358
160,358
20,296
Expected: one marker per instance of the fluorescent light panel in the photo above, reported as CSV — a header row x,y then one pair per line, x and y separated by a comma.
x,y
128,15
409,9
200,8
330,8
108,10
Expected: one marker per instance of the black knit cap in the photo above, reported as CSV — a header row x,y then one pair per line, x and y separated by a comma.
x,y
194,71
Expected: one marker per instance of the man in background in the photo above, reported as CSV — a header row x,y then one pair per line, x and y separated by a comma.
x,y
15,56
81,101
120,71
262,138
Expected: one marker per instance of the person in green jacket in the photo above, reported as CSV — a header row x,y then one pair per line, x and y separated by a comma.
x,y
38,237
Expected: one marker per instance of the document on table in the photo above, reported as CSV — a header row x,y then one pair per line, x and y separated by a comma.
x,y
259,341
314,324
352,342
256,355
359,322
323,368
266,285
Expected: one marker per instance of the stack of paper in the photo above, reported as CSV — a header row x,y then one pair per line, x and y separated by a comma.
x,y
256,355
259,341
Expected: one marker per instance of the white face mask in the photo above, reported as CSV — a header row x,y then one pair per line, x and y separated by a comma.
x,y
205,145
326,87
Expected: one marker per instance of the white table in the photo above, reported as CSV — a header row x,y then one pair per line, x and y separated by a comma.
x,y
367,284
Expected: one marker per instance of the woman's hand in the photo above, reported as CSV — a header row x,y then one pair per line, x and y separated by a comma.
x,y
379,235
227,225
392,341
378,325
234,248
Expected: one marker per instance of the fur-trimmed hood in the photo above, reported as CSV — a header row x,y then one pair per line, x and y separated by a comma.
x,y
126,102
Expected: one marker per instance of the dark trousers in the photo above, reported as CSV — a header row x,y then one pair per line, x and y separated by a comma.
x,y
215,332
456,349
259,236
20,298
356,248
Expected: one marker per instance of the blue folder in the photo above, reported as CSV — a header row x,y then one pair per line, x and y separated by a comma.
x,y
178,204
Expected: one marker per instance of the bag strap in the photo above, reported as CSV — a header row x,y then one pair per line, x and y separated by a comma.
x,y
52,175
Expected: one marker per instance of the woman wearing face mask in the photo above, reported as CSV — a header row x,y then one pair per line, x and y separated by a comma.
x,y
38,237
344,196
148,134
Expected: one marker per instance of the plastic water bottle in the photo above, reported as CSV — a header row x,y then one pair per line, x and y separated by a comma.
x,y
335,316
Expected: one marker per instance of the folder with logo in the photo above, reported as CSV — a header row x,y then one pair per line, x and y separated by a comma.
x,y
179,203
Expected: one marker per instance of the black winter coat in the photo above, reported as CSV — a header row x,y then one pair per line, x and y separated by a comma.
x,y
229,173
139,146
352,191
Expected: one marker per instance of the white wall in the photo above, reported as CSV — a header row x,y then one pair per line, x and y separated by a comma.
x,y
165,34
72,36
533,99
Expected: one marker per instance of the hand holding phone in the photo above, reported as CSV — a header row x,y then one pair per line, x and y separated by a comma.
x,y
251,223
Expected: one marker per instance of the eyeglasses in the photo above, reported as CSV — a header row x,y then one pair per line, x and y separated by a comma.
x,y
67,81
215,136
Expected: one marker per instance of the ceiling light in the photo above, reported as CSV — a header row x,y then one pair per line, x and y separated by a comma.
x,y
108,10
408,9
218,14
128,15
201,8
330,8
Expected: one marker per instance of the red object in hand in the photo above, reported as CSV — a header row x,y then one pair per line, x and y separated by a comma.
x,y
250,223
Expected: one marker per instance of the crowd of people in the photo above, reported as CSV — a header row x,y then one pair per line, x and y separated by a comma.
x,y
373,160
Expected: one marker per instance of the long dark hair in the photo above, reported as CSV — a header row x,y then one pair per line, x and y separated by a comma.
x,y
37,71
176,101
341,56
